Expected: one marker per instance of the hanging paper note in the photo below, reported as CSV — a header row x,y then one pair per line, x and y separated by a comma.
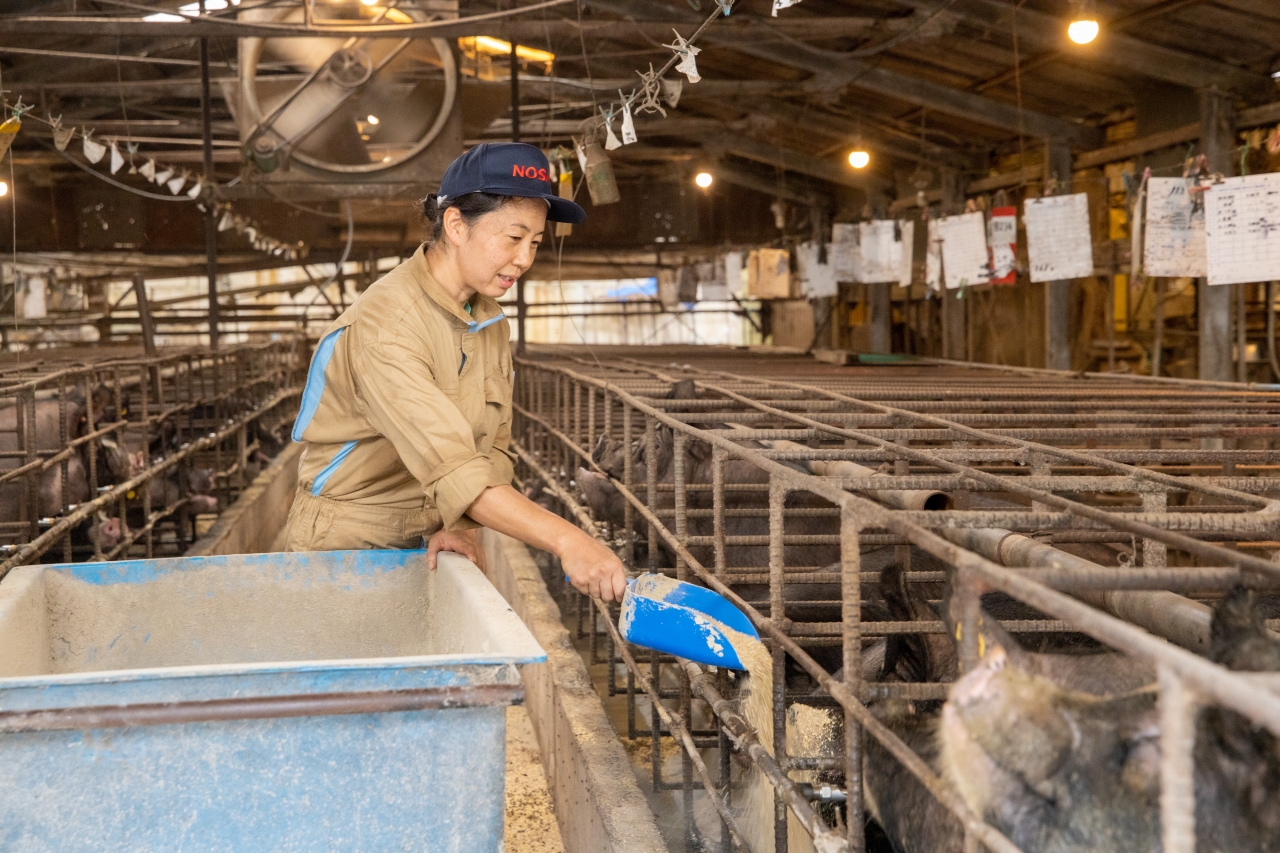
x,y
817,280
175,185
117,159
196,189
628,126
62,135
8,131
881,251
845,252
162,177
582,155
1002,239
907,231
933,258
94,151
687,66
782,4
964,250
1059,244
1242,229
226,221
564,229
148,169
610,141
671,90
1175,235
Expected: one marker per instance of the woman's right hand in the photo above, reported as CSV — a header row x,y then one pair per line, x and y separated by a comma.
x,y
592,568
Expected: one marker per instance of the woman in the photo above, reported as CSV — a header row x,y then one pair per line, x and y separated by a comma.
x,y
407,407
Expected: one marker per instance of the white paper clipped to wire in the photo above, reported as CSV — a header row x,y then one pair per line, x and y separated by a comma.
x,y
1242,229
964,250
817,279
1058,241
933,258
846,255
1174,232
881,251
907,228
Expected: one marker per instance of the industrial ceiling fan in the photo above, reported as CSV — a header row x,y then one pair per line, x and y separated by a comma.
x,y
345,106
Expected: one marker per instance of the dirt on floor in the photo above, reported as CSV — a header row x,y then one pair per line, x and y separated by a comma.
x,y
531,824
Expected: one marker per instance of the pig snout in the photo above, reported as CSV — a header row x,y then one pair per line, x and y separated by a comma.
x,y
110,532
204,503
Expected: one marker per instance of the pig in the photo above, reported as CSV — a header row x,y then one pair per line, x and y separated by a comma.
x,y
1064,771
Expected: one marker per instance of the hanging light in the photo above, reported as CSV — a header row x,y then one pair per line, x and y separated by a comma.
x,y
859,159
704,179
1084,22
4,189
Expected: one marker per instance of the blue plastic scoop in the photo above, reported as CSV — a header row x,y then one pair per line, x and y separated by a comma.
x,y
683,620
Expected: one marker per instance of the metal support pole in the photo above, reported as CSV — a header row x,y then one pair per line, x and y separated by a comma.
x,y
881,317
521,305
1217,140
1057,294
952,310
210,222
144,315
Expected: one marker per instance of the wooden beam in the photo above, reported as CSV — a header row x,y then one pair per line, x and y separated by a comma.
x,y
1112,48
867,75
796,161
731,174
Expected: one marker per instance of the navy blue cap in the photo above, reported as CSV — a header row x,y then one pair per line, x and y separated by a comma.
x,y
507,168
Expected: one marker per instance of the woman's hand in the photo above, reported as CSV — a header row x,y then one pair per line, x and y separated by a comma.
x,y
458,541
593,569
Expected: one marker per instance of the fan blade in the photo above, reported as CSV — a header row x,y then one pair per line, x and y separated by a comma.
x,y
307,54
334,138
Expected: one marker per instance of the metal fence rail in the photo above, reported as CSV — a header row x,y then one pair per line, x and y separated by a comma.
x,y
1175,480
83,442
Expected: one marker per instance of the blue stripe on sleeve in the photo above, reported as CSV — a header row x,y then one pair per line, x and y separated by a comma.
x,y
315,383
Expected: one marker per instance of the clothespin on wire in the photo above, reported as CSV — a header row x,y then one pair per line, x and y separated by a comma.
x,y
650,92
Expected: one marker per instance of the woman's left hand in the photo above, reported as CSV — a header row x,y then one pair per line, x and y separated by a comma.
x,y
458,541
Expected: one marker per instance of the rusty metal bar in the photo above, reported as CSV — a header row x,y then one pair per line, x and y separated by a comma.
x,y
259,708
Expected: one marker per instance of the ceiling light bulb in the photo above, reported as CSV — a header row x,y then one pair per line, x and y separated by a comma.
x,y
369,2
703,179
372,119
859,159
4,188
1083,31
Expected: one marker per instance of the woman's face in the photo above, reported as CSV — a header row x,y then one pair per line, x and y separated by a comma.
x,y
500,246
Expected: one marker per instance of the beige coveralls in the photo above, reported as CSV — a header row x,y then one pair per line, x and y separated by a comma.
x,y
406,415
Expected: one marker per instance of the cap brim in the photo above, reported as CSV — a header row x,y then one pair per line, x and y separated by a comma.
x,y
563,210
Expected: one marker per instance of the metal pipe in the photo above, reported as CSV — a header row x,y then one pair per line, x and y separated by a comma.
x,y
259,708
210,180
1172,616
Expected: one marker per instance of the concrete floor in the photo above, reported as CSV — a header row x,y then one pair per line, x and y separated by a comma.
x,y
531,824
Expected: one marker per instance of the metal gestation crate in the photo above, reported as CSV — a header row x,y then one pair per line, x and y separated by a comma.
x,y
180,409
1175,475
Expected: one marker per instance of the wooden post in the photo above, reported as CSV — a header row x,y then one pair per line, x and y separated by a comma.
x,y
955,330
1057,294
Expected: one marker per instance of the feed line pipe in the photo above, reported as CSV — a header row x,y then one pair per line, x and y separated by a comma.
x,y
1172,616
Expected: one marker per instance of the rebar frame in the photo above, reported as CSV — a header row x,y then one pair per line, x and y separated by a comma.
x,y
1174,475
185,409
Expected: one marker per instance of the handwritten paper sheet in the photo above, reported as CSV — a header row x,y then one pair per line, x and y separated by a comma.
x,y
1175,241
817,280
1058,240
1002,237
964,250
933,258
846,255
1242,229
908,231
881,251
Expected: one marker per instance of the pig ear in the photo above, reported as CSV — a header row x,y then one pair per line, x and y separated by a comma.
x,y
700,450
